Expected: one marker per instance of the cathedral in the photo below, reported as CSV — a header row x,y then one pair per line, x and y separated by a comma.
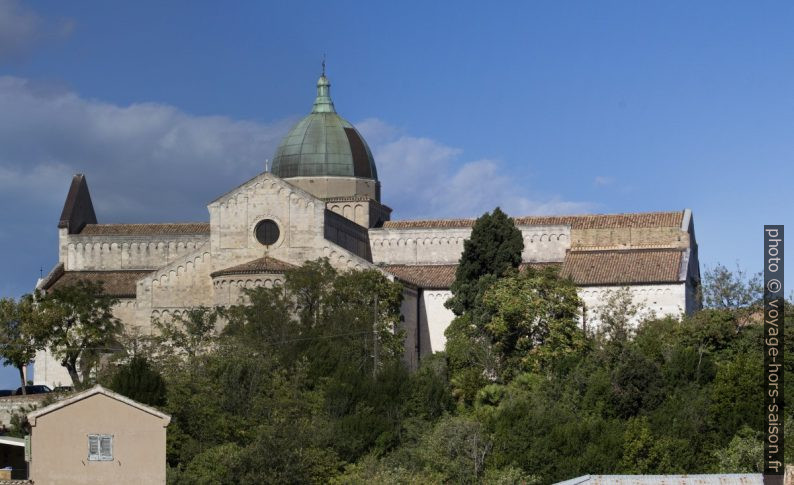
x,y
322,199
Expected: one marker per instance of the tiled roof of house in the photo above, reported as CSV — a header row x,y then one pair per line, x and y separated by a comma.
x,y
165,229
593,221
623,267
265,264
97,389
118,284
436,276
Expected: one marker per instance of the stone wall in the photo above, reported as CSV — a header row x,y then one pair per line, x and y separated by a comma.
x,y
663,299
629,237
81,253
445,245
408,312
347,234
10,405
228,289
436,318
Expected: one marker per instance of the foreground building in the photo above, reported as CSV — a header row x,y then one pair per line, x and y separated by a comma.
x,y
97,437
322,200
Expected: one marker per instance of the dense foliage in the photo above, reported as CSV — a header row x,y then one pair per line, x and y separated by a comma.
x,y
305,383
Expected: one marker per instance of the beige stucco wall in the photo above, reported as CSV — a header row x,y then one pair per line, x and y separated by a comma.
x,y
59,444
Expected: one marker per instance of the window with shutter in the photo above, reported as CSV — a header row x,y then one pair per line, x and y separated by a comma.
x,y
100,447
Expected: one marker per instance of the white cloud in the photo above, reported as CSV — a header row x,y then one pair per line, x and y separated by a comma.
x,y
422,177
151,162
143,161
21,28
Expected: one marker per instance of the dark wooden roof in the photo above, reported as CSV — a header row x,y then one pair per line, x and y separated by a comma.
x,y
118,284
592,221
165,229
265,264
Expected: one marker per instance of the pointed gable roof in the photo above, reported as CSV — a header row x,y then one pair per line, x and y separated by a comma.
x,y
32,416
78,210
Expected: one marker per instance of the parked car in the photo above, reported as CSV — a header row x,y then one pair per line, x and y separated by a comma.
x,y
6,392
40,389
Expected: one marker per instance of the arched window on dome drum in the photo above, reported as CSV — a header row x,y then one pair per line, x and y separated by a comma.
x,y
267,232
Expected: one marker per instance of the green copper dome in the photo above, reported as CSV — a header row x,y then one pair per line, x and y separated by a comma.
x,y
323,144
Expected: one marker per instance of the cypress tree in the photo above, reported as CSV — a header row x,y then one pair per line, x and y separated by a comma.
x,y
494,247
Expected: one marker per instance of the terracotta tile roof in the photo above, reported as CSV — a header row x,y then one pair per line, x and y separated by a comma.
x,y
434,223
436,276
431,276
119,284
623,267
265,264
165,229
593,221
55,273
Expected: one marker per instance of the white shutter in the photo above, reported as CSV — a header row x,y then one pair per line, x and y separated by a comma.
x,y
106,447
100,447
93,447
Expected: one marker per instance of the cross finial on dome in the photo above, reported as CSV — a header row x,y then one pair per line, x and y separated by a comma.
x,y
323,63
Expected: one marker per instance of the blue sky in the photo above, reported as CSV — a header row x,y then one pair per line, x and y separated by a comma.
x,y
540,107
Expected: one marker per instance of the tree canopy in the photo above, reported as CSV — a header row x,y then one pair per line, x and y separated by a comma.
x,y
493,248
18,318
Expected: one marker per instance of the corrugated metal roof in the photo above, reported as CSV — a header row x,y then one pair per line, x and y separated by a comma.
x,y
716,479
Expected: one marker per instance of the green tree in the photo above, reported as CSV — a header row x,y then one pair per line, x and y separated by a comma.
x,y
493,248
723,288
78,327
532,321
744,454
137,380
644,453
17,321
185,335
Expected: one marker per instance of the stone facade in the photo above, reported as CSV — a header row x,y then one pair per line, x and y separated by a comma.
x,y
180,266
271,223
